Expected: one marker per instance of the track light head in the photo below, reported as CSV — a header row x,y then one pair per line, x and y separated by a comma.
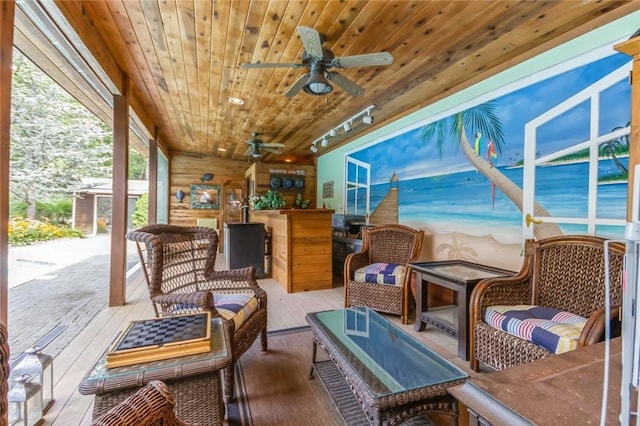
x,y
333,133
347,126
367,119
314,148
324,142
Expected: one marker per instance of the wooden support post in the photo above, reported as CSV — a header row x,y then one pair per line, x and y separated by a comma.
x,y
7,11
153,179
632,48
118,281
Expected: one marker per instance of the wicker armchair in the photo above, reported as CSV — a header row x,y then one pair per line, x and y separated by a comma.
x,y
151,405
179,269
391,244
4,373
565,273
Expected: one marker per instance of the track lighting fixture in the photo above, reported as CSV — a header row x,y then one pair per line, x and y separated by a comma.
x,y
345,127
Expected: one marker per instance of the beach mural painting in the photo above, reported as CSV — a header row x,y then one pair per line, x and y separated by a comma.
x,y
527,148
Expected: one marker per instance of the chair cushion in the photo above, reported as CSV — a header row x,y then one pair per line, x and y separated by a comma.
x,y
237,307
555,330
381,273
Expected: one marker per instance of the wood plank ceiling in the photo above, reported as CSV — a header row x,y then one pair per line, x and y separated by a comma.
x,y
184,57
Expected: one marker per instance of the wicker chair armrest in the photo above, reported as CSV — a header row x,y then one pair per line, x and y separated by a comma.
x,y
151,405
203,299
593,331
247,275
499,291
353,262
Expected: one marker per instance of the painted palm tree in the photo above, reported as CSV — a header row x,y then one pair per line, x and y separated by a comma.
x,y
610,147
483,119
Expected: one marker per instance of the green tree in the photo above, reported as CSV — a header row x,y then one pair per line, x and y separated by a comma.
x,y
140,216
54,139
137,165
482,119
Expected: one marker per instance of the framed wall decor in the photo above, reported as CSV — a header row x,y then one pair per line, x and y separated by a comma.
x,y
327,189
205,197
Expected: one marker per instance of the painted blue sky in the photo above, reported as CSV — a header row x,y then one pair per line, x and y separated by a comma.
x,y
409,157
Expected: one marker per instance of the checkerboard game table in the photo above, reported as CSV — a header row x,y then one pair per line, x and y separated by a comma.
x,y
194,380
393,376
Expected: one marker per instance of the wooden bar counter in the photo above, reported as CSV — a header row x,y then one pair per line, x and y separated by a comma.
x,y
301,242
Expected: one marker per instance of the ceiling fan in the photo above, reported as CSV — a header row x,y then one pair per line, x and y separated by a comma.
x,y
256,145
318,61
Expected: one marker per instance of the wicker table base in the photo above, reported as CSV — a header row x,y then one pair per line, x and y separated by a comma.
x,y
391,407
194,381
198,399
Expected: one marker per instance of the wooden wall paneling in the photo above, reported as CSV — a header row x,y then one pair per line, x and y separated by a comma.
x,y
7,9
119,202
186,170
261,173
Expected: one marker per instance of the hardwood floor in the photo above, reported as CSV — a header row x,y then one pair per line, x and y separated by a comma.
x,y
284,311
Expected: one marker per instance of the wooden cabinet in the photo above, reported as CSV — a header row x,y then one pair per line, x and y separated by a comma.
x,y
301,243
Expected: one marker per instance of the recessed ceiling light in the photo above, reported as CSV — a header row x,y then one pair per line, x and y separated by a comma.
x,y
222,149
287,160
236,101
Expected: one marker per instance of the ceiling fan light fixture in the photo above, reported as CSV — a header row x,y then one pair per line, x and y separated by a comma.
x,y
317,84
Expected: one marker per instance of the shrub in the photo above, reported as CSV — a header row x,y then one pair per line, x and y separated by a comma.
x,y
140,216
57,211
102,225
25,231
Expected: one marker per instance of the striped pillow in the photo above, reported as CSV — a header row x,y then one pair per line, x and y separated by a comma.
x,y
555,330
237,307
381,273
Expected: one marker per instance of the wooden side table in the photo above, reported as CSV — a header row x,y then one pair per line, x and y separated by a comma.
x,y
459,276
194,381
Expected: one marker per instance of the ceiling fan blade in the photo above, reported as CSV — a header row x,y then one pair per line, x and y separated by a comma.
x,y
366,60
273,145
274,151
347,85
311,40
295,88
271,65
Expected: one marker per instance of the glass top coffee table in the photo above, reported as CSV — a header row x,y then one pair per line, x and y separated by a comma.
x,y
393,375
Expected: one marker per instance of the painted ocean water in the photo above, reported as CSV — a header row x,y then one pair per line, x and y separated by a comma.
x,y
462,201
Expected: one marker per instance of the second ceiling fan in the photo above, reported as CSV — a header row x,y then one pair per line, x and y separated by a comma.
x,y
257,145
318,61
